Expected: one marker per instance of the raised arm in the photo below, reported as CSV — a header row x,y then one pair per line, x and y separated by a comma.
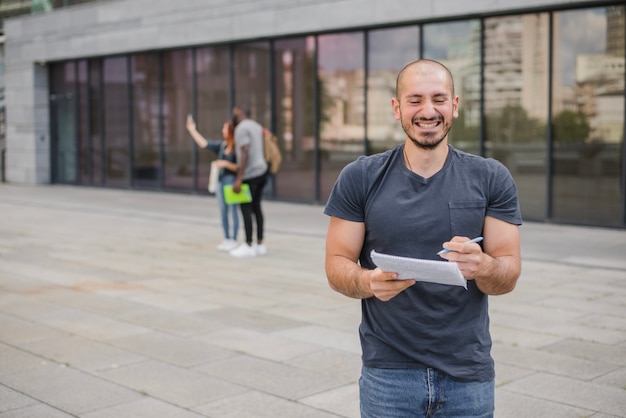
x,y
193,131
344,241
495,270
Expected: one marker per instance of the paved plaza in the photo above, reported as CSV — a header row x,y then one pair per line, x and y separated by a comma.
x,y
115,303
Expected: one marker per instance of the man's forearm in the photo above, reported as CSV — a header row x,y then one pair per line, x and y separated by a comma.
x,y
347,277
500,276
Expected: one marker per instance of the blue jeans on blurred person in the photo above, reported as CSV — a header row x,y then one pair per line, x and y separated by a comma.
x,y
404,393
227,211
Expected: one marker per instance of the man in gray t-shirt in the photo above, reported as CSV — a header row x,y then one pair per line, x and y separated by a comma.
x,y
426,346
252,170
249,133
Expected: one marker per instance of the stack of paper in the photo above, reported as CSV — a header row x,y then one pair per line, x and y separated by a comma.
x,y
442,272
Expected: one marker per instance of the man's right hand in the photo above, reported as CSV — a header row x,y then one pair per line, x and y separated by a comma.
x,y
237,186
385,286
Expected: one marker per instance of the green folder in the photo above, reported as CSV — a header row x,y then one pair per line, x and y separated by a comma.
x,y
244,195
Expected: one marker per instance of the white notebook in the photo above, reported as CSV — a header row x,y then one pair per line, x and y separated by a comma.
x,y
442,272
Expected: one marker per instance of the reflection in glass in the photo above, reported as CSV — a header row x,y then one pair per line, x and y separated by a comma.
x,y
95,116
516,103
115,122
252,80
342,104
384,64
146,119
85,165
294,110
457,46
588,115
178,148
213,105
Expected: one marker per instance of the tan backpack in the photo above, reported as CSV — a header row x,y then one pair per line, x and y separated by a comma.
x,y
271,149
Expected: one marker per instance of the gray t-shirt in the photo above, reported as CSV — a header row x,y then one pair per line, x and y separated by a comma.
x,y
427,325
249,132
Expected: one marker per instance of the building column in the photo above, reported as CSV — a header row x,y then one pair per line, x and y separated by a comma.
x,y
28,120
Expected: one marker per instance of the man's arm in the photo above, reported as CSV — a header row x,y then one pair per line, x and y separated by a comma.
x,y
495,270
344,241
241,165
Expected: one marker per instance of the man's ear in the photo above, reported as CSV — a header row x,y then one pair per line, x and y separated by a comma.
x,y
455,107
395,106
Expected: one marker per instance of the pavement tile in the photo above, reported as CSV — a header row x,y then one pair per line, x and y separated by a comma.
x,y
81,353
15,360
260,405
176,385
172,349
342,317
143,408
615,378
506,373
575,393
259,344
514,405
11,399
554,363
68,389
36,411
327,337
88,325
16,331
184,325
234,317
522,338
289,382
343,364
343,401
590,351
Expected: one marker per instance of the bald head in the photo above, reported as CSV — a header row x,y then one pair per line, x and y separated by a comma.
x,y
422,67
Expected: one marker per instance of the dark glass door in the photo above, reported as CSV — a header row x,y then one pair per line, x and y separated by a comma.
x,y
63,128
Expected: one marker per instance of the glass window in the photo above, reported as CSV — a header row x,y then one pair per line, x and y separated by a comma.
x,y
457,46
85,154
342,104
213,102
294,63
63,120
588,115
252,80
516,103
145,70
95,116
178,146
389,50
116,121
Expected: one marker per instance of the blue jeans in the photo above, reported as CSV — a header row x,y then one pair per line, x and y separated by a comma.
x,y
225,209
396,393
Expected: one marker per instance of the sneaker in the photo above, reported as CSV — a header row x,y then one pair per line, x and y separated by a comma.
x,y
227,245
260,249
243,250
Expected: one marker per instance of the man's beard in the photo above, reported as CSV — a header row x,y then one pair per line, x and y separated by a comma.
x,y
426,145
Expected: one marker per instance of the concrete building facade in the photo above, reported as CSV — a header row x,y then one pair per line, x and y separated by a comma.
x,y
117,27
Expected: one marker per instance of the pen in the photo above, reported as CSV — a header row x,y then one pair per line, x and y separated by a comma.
x,y
445,250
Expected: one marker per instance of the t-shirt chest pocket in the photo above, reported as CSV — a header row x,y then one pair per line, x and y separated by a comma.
x,y
467,217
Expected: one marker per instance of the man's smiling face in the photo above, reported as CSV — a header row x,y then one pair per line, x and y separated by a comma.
x,y
425,104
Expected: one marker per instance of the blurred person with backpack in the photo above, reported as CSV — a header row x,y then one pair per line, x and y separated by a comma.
x,y
252,170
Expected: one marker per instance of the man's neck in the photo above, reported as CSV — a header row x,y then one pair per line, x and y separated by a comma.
x,y
425,162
